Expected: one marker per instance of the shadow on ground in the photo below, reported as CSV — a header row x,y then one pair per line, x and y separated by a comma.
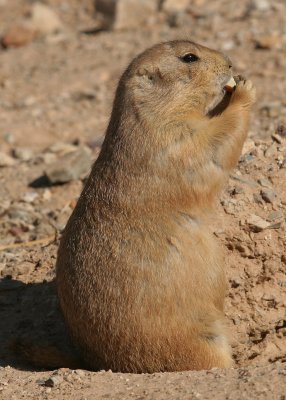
x,y
29,313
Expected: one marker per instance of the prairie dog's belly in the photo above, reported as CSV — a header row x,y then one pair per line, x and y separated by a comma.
x,y
164,273
148,298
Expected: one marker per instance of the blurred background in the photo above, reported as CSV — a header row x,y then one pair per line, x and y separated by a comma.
x,y
60,60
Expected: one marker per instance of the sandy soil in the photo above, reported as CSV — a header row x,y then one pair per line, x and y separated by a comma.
x,y
55,96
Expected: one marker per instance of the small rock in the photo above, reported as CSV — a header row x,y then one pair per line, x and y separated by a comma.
x,y
243,180
56,38
84,94
17,36
271,150
276,225
261,5
71,166
23,153
79,372
30,197
268,196
245,158
256,223
278,139
47,195
127,14
40,382
228,45
267,42
62,148
45,20
237,190
275,215
264,182
53,381
6,160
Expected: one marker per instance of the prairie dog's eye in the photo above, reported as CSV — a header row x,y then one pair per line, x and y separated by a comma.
x,y
189,57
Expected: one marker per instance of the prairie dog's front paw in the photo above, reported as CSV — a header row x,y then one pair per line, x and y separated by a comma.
x,y
244,93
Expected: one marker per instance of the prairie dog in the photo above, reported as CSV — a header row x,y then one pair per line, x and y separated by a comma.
x,y
140,277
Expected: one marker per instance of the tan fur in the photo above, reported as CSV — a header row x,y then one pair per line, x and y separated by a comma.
x,y
140,276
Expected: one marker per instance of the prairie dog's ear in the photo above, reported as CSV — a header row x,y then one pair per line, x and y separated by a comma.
x,y
149,73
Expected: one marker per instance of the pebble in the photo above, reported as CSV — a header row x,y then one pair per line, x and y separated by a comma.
x,y
245,158
261,5
267,42
248,182
30,197
18,36
71,166
256,223
273,216
264,182
127,14
228,45
268,196
53,381
80,372
6,160
277,138
23,153
47,195
45,20
237,190
276,225
61,148
84,94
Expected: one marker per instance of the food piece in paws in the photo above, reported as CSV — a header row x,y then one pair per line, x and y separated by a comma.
x,y
230,85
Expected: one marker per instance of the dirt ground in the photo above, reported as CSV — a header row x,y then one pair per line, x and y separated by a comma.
x,y
56,94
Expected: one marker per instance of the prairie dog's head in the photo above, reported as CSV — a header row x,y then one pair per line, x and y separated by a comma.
x,y
175,80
